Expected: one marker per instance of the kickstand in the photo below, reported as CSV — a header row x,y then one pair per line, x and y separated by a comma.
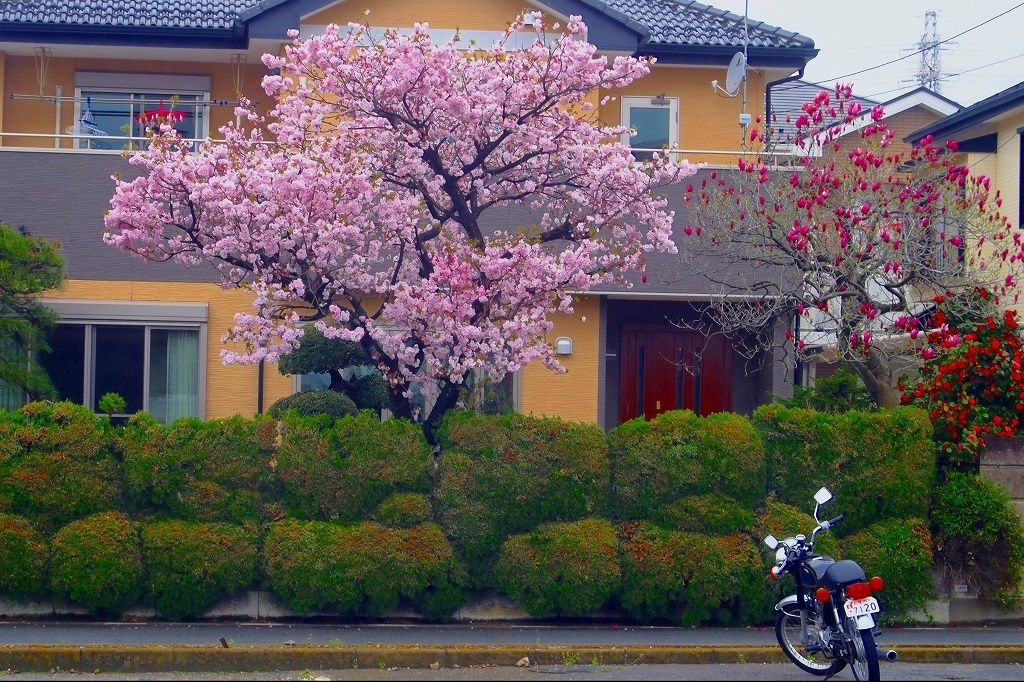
x,y
833,669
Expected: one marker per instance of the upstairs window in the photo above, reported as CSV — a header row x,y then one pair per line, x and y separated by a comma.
x,y
123,105
655,124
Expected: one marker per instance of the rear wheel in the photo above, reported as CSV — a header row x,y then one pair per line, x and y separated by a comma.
x,y
863,653
787,631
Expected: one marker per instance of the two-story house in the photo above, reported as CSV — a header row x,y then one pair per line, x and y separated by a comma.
x,y
80,81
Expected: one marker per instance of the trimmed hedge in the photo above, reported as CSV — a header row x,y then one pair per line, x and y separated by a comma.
x,y
362,569
23,558
313,403
879,465
97,562
561,568
689,578
507,474
220,470
404,510
343,472
900,551
192,566
678,454
57,465
711,514
784,521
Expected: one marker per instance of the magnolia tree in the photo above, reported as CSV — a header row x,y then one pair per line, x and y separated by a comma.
x,y
848,248
361,202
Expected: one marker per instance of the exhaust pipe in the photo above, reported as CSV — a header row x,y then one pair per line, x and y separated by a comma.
x,y
889,655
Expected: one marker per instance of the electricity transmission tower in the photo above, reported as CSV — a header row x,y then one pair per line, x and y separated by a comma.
x,y
929,73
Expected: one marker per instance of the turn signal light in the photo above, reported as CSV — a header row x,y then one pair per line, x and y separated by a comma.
x,y
877,584
858,590
822,595
775,573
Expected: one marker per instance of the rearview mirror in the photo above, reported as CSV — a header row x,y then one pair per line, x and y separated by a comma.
x,y
822,496
771,541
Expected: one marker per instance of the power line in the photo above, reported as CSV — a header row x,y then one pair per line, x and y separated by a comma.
x,y
948,76
917,52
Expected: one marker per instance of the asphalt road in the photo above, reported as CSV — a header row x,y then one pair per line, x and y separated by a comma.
x,y
749,671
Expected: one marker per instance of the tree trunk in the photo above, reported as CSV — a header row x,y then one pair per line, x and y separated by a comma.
x,y
875,375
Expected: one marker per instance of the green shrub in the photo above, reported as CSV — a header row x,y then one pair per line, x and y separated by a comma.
x,y
192,566
506,474
342,473
678,454
841,391
221,470
900,551
362,569
97,562
978,536
23,557
711,514
57,464
879,465
689,578
313,403
784,521
404,510
561,568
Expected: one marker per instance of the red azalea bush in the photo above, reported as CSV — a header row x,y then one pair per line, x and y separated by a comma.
x,y
972,381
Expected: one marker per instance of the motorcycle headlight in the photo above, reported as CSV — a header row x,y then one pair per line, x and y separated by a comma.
x,y
780,554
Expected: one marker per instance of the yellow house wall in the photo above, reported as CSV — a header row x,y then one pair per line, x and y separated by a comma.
x,y
572,395
707,121
230,389
1007,167
18,76
493,15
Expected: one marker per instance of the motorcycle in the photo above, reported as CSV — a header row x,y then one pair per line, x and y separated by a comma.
x,y
829,623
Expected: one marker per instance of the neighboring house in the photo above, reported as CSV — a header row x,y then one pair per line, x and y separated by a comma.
x,y
990,134
78,79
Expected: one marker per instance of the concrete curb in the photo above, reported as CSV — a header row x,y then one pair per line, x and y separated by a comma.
x,y
302,657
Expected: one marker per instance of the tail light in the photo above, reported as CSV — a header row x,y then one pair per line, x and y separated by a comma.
x,y
822,594
858,590
877,584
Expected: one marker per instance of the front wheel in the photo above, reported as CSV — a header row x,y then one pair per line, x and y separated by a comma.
x,y
863,658
787,631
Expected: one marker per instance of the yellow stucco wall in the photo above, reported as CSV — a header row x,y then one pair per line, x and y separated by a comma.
x,y
230,389
1006,173
572,395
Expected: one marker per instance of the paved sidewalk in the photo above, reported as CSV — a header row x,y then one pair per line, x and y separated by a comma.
x,y
198,647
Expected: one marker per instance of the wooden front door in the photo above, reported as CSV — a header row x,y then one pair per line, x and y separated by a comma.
x,y
665,368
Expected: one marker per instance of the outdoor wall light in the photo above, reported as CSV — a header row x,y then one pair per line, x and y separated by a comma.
x,y
563,345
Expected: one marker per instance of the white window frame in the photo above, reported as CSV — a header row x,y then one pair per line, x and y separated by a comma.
x,y
653,101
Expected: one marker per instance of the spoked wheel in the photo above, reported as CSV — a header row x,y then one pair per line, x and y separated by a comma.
x,y
863,654
787,631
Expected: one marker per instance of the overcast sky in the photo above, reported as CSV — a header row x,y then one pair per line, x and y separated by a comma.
x,y
859,35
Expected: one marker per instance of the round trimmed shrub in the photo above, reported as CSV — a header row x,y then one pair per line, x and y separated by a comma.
x,y
314,403
978,536
343,472
711,514
507,474
57,464
97,562
363,569
220,470
23,556
679,454
900,551
784,521
689,578
561,568
404,510
192,566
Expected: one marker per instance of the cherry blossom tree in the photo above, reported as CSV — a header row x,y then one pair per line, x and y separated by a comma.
x,y
434,204
852,243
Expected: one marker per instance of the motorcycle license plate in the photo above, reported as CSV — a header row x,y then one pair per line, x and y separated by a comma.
x,y
861,607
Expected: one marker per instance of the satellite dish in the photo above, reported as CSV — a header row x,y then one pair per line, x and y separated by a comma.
x,y
736,73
